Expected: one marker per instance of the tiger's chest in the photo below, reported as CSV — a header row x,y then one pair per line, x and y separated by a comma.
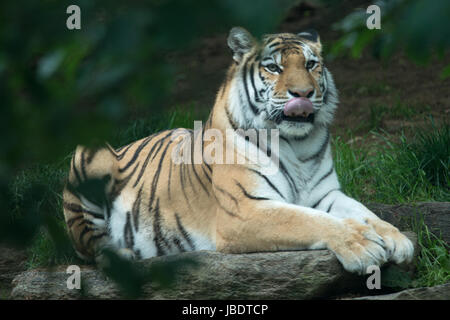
x,y
300,166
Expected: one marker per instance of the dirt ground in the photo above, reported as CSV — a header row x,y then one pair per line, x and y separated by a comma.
x,y
395,96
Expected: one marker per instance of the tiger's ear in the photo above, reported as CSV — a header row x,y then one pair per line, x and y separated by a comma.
x,y
240,42
312,36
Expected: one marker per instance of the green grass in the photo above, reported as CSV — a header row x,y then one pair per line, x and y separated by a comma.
x,y
43,250
404,172
408,171
433,264
398,110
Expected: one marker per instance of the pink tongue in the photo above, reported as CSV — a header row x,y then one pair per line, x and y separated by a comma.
x,y
298,107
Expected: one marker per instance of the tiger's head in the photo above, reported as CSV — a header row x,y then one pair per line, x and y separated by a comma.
x,y
280,82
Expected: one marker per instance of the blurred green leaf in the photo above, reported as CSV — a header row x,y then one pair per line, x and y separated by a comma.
x,y
420,28
446,72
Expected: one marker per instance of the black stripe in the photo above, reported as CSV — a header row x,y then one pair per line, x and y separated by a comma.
x,y
83,166
77,174
274,44
183,188
169,179
222,91
136,209
187,169
79,209
321,149
289,178
178,244
160,141
230,119
93,152
184,232
268,182
189,177
156,176
271,53
96,237
323,177
252,81
301,138
144,166
330,206
193,166
203,155
206,174
83,233
121,148
293,41
207,165
285,139
244,79
120,156
227,211
286,174
122,183
228,194
182,182
318,202
128,233
84,221
157,236
136,154
157,230
249,195
71,221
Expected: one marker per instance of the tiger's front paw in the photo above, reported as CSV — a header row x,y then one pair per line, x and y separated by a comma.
x,y
399,248
358,246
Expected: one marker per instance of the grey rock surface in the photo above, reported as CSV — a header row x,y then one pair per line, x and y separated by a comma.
x,y
271,275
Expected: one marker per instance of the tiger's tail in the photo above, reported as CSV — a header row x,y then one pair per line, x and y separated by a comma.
x,y
87,199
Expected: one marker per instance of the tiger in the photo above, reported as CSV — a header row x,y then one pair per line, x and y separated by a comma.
x,y
144,203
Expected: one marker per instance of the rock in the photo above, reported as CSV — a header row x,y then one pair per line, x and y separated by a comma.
x,y
436,216
272,275
12,262
441,292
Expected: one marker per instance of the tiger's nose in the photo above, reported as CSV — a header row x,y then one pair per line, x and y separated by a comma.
x,y
297,93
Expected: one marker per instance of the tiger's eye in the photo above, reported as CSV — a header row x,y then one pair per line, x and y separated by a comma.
x,y
310,64
273,67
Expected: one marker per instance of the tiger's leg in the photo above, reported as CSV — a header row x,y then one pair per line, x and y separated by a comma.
x,y
85,199
271,226
249,221
399,247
